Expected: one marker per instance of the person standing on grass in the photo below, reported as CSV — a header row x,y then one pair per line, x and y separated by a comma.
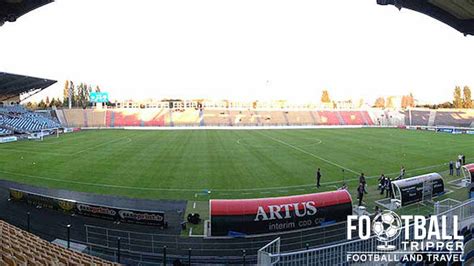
x,y
318,177
451,167
388,187
362,181
463,159
382,181
458,167
402,172
360,193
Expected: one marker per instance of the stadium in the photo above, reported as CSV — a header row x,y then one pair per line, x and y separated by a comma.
x,y
197,182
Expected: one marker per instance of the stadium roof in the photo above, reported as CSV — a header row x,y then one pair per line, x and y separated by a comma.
x,y
11,10
458,14
12,84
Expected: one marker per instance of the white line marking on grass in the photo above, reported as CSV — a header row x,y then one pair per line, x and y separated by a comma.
x,y
262,190
99,184
309,153
33,152
102,144
318,141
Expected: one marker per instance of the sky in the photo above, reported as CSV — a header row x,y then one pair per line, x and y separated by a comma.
x,y
239,49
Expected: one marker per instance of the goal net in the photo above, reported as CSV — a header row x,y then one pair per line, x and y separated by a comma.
x,y
39,136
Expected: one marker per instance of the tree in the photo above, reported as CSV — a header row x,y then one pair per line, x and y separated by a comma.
x,y
325,97
457,102
42,105
390,102
30,105
379,102
66,91
408,101
467,100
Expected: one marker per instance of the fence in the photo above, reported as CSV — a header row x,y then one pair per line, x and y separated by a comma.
x,y
337,254
143,246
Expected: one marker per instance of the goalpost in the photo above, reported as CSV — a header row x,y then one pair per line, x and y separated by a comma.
x,y
39,136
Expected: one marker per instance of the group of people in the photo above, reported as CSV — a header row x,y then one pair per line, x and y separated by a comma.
x,y
385,184
457,165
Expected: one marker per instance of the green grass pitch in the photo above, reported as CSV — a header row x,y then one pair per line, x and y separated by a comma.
x,y
185,164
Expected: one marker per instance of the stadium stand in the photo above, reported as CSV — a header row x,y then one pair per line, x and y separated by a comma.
x,y
461,118
154,117
387,117
242,118
417,117
329,118
18,247
71,117
300,118
127,117
216,118
366,118
186,117
4,131
353,118
272,118
147,117
17,118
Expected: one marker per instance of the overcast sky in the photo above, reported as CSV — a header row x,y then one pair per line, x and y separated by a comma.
x,y
239,49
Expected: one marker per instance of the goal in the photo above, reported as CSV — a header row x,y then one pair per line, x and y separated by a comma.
x,y
39,136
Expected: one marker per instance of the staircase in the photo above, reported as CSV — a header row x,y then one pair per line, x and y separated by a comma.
x,y
364,118
86,124
171,119
112,119
257,118
61,117
339,117
201,118
313,117
431,120
285,115
230,118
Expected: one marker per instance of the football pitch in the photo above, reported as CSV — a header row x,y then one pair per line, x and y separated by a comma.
x,y
203,164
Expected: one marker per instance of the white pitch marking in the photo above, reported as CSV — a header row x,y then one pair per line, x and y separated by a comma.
x,y
309,153
194,190
102,144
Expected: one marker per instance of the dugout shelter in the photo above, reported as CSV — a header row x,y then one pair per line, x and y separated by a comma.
x,y
418,188
468,173
272,215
